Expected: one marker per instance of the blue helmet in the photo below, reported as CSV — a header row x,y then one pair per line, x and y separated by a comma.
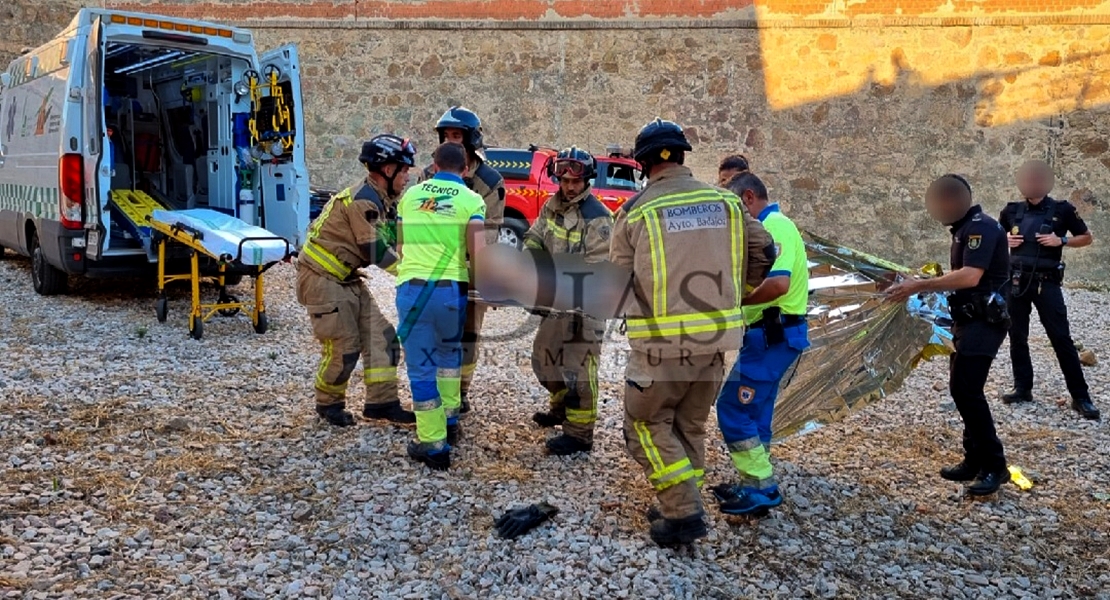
x,y
458,117
657,136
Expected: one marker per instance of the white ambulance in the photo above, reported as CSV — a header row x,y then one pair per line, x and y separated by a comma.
x,y
123,113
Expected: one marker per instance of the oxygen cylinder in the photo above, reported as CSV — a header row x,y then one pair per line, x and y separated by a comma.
x,y
247,210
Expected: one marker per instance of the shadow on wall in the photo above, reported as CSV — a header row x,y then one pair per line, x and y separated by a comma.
x,y
860,121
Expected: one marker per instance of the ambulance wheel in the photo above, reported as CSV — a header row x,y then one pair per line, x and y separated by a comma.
x,y
162,309
262,324
46,280
233,279
196,328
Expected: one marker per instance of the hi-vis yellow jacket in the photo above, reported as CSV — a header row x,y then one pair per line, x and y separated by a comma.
x,y
693,250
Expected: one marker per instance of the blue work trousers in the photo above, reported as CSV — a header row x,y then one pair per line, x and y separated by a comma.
x,y
431,324
746,403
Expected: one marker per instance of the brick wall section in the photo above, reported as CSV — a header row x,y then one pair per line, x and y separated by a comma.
x,y
848,122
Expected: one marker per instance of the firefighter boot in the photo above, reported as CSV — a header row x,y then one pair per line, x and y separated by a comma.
x,y
565,445
437,460
335,414
390,411
674,532
453,434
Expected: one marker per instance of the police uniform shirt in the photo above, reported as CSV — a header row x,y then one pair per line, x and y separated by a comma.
x,y
979,241
1065,221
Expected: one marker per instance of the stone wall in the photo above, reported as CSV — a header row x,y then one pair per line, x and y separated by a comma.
x,y
849,109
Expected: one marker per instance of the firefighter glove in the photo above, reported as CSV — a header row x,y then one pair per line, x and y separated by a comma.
x,y
519,521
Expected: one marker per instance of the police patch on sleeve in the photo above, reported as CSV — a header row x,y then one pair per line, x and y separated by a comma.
x,y
973,241
746,394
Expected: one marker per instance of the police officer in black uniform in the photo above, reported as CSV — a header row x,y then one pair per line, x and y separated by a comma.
x,y
980,282
1038,228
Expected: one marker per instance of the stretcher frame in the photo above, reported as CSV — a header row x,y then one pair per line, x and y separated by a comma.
x,y
226,304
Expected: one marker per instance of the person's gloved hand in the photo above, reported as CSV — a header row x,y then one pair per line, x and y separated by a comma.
x,y
519,521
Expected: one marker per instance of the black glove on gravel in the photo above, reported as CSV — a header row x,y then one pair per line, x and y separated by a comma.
x,y
519,521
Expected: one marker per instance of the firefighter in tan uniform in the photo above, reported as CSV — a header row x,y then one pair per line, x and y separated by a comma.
x,y
567,347
692,253
461,125
353,232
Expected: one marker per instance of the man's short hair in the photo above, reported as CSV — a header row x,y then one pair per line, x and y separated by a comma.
x,y
734,162
450,157
747,181
952,186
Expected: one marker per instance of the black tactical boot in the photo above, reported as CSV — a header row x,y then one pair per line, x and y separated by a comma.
x,y
439,460
335,414
565,445
1086,408
674,532
988,482
464,407
390,411
965,471
549,419
1017,396
725,492
453,434
653,514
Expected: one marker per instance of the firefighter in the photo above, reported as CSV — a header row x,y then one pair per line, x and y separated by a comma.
x,y
440,222
775,315
461,125
567,347
350,233
689,247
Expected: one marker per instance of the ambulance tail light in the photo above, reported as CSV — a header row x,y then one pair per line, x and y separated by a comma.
x,y
71,180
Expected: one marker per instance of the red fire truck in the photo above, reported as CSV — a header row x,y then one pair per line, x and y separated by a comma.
x,y
528,186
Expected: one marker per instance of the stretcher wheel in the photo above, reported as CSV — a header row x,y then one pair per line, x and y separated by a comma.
x,y
262,324
161,309
196,327
226,298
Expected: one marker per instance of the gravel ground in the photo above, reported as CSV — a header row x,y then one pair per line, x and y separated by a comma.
x,y
141,463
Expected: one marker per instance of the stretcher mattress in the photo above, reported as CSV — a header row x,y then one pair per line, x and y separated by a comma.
x,y
222,235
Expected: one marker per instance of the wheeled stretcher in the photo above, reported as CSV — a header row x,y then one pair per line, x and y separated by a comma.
x,y
238,249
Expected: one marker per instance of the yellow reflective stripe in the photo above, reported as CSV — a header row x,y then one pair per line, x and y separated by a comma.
x,y
563,233
380,375
591,372
736,223
468,370
699,474
325,259
556,399
650,451
672,474
658,263
641,211
321,383
314,231
581,417
688,324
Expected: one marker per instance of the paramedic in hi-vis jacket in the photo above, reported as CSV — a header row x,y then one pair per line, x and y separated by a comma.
x,y
354,231
567,347
460,125
692,250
